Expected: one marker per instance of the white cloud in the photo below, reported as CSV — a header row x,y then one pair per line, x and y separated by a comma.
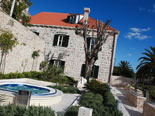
x,y
129,54
137,33
150,10
139,30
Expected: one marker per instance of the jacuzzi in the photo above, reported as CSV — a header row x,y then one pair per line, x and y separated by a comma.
x,y
41,95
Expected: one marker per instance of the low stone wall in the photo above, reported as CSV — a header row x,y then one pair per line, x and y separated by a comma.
x,y
135,99
149,109
120,81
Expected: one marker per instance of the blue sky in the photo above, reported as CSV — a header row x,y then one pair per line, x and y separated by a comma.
x,y
135,19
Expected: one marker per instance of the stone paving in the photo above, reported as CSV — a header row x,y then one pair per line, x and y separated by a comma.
x,y
121,94
67,101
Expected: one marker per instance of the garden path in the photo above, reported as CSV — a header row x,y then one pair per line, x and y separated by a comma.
x,y
121,94
67,101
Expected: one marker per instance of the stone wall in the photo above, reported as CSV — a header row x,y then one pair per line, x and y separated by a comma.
x,y
149,109
74,55
20,58
135,99
121,81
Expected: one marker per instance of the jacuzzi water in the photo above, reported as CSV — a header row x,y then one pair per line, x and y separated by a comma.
x,y
36,90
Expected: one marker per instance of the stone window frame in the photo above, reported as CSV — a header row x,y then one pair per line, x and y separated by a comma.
x,y
61,40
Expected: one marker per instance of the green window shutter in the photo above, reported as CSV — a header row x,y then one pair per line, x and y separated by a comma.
x,y
51,62
88,42
55,40
83,69
62,63
65,41
95,70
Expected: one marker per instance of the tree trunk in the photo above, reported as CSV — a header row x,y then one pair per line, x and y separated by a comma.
x,y
4,63
1,62
89,65
32,64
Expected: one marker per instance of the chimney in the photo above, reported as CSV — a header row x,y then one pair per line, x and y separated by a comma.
x,y
86,14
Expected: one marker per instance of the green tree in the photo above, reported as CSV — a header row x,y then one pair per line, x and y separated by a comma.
x,y
146,67
35,54
44,66
7,42
19,8
124,69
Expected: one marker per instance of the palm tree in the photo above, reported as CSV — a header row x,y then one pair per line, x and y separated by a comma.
x,y
146,67
126,69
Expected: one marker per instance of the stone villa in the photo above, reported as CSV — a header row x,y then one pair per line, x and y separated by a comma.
x,y
64,48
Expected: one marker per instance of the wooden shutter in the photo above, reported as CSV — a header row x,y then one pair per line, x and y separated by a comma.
x,y
65,41
55,40
51,62
95,71
88,42
62,63
83,69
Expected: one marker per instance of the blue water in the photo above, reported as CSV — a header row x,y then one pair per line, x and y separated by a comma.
x,y
15,87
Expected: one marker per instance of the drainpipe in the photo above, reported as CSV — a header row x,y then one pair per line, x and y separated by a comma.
x,y
12,7
112,59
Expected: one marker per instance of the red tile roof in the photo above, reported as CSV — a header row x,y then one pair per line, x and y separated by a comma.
x,y
57,19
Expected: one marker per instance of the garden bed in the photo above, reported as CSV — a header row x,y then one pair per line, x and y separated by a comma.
x,y
99,98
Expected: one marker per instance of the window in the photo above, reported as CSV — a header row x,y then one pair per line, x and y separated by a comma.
x,y
57,63
90,43
61,40
94,73
71,19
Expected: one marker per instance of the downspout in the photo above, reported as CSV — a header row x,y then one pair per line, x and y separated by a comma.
x,y
112,58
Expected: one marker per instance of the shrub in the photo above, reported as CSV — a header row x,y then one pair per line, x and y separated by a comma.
x,y
73,111
66,88
100,99
71,80
27,74
150,88
93,101
97,87
100,106
109,99
1,75
13,110
152,94
59,79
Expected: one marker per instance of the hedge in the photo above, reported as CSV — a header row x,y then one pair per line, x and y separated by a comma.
x,y
99,98
13,110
